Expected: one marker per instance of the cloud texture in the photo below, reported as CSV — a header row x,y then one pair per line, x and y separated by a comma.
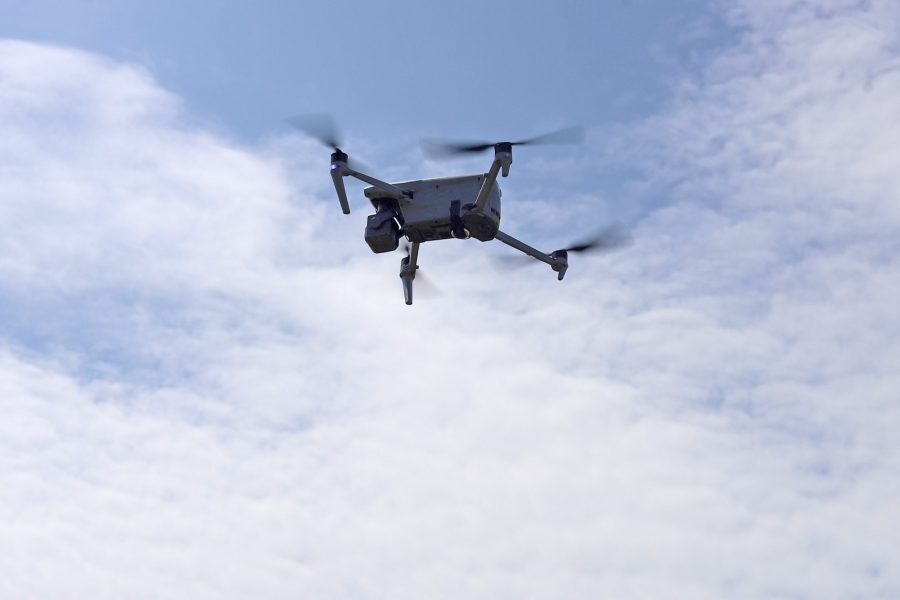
x,y
211,389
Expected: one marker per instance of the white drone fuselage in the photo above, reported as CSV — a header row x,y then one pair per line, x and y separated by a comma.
x,y
437,206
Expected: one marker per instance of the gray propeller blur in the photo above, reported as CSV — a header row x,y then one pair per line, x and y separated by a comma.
x,y
322,127
447,149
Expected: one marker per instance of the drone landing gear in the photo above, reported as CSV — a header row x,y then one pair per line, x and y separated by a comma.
x,y
408,268
558,261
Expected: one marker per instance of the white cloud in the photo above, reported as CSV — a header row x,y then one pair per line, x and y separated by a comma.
x,y
210,388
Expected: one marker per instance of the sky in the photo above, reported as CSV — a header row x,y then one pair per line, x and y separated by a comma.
x,y
211,388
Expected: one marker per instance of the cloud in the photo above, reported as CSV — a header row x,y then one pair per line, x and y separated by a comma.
x,y
210,389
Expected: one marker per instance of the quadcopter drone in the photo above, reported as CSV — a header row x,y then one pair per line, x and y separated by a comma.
x,y
426,210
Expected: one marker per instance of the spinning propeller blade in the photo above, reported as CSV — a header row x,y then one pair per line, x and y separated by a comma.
x,y
569,135
607,239
442,149
319,126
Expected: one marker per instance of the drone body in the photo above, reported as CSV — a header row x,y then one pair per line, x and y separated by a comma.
x,y
427,210
439,209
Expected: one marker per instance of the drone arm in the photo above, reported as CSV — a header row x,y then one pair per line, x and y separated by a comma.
x,y
383,185
338,177
339,170
488,184
558,264
523,247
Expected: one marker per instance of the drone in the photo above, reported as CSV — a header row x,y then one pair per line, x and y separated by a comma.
x,y
457,207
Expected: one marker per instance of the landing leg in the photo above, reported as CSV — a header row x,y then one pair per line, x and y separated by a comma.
x,y
408,268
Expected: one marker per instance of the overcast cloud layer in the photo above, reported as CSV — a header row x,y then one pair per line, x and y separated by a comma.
x,y
210,388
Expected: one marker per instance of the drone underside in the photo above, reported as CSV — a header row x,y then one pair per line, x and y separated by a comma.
x,y
438,209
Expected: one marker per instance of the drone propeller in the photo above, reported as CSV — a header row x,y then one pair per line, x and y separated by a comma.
x,y
319,126
608,239
440,149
